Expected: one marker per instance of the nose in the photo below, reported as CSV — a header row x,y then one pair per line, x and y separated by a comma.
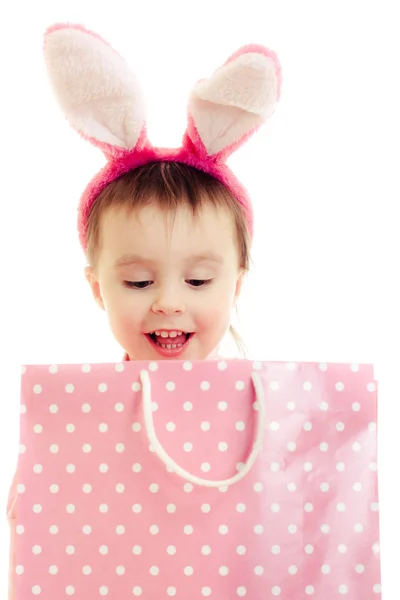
x,y
168,303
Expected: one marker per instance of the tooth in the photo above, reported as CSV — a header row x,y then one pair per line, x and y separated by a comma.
x,y
164,334
179,332
172,334
168,346
157,332
173,345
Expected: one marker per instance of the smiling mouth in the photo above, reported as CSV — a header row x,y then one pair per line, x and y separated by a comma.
x,y
179,339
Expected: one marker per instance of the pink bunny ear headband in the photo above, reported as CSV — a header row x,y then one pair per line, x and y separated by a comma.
x,y
102,101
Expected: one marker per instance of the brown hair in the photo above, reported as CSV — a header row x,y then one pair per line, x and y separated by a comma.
x,y
171,185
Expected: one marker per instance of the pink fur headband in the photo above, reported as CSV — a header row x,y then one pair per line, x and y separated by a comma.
x,y
102,101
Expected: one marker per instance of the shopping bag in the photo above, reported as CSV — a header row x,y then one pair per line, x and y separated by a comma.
x,y
219,479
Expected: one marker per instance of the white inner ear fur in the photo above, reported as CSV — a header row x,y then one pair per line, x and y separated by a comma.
x,y
95,88
238,97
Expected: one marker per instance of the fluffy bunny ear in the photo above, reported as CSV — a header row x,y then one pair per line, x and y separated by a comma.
x,y
227,108
95,88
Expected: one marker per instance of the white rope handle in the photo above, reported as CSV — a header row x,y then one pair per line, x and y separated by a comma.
x,y
170,463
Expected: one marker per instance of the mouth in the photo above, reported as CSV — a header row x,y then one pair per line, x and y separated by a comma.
x,y
169,343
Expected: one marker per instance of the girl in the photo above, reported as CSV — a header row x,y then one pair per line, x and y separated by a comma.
x,y
166,232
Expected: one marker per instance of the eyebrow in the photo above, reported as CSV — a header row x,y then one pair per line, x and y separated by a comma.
x,y
130,259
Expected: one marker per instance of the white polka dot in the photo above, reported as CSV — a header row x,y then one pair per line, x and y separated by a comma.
x,y
258,529
70,428
120,529
307,386
171,508
188,529
188,571
358,528
205,426
291,405
372,426
153,366
205,467
53,369
340,426
188,487
257,365
103,550
342,548
275,507
274,385
171,591
171,550
103,468
275,467
222,365
292,487
223,529
120,488
324,447
373,466
324,406
36,550
341,507
119,367
276,550
206,591
154,487
36,590
20,488
137,550
307,426
240,426
70,550
22,409
222,405
205,508
86,529
223,571
240,507
188,406
120,447
291,366
340,467
86,408
258,570
223,446
377,588
87,488
291,447
38,428
325,569
371,387
256,405
86,570
276,590
19,569
223,488
356,406
188,447
308,467
154,571
87,448
70,388
241,591
137,508
102,387
339,386
86,368
22,448
136,427
70,468
357,487
375,506
356,446
170,386
70,509
137,591
136,468
104,590
343,589
354,367
37,508
325,528
20,529
136,386
292,570
103,508
309,549
308,507
292,529
323,366
37,389
187,366
154,530
274,426
205,386
240,386
119,407
206,550
309,590
359,568
324,487
53,570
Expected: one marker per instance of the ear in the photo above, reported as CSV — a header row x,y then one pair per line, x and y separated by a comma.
x,y
238,288
94,286
95,88
224,110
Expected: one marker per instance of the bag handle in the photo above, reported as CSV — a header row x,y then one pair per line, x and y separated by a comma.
x,y
170,463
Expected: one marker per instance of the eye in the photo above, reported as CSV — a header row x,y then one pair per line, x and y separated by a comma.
x,y
137,285
198,282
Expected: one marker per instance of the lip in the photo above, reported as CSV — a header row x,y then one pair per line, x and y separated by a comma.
x,y
169,352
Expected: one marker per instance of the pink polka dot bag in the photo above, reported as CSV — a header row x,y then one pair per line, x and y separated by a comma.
x,y
218,479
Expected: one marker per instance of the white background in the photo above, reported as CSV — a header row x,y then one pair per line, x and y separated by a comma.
x,y
323,175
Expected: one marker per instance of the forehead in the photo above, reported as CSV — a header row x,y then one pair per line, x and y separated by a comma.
x,y
159,234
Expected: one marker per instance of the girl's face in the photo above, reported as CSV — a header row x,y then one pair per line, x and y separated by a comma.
x,y
167,282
